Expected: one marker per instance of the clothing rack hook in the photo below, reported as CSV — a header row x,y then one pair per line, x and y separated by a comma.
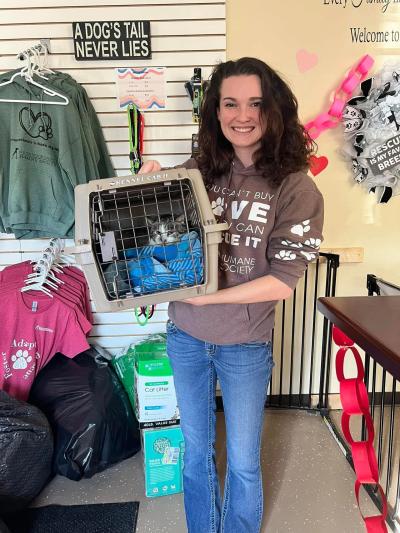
x,y
46,45
42,46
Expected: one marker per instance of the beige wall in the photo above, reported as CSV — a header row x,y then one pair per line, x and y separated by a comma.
x,y
274,32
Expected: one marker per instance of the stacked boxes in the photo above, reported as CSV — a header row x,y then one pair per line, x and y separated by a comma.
x,y
155,398
146,373
163,451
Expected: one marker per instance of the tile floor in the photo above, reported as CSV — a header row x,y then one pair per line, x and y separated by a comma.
x,y
308,483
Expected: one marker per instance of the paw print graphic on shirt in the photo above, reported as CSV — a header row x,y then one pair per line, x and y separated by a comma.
x,y
292,244
300,229
309,255
217,206
313,243
285,255
21,359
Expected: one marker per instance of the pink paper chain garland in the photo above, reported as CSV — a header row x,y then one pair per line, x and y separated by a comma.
x,y
332,117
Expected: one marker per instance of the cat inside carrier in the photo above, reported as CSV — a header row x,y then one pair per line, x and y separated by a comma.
x,y
146,239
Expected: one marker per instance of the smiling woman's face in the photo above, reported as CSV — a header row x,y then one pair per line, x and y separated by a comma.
x,y
240,116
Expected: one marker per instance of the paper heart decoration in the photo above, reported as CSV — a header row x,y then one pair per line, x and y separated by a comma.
x,y
306,60
318,164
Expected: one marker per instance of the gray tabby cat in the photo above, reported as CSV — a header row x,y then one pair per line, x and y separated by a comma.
x,y
166,229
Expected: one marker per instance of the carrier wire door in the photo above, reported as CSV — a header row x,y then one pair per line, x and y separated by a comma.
x,y
147,239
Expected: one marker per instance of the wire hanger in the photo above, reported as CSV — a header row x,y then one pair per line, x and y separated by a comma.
x,y
43,66
35,62
43,277
27,74
38,61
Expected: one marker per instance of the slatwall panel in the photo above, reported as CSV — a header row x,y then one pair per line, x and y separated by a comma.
x,y
185,34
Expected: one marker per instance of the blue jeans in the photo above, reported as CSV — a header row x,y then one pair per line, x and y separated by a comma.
x,y
243,371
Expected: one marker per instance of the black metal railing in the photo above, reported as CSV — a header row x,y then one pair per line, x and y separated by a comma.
x,y
300,372
302,377
384,397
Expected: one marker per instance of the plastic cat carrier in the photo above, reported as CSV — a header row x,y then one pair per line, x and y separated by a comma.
x,y
146,239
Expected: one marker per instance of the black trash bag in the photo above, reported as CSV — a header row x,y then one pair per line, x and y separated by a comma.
x,y
3,527
89,412
26,449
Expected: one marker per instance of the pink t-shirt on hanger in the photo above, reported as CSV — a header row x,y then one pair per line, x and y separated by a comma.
x,y
33,329
74,280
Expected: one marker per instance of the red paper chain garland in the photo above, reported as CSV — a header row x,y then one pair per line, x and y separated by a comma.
x,y
354,397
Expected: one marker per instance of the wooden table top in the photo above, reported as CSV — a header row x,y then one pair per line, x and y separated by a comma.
x,y
372,322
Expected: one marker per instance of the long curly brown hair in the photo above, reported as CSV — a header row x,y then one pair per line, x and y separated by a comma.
x,y
285,145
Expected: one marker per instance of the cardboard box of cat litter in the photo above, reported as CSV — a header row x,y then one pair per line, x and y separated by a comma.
x,y
163,451
155,398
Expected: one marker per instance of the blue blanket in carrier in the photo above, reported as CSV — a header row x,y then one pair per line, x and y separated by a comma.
x,y
155,268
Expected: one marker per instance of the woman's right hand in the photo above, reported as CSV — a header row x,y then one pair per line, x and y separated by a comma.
x,y
150,166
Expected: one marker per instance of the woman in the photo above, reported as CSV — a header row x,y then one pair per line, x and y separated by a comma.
x,y
253,152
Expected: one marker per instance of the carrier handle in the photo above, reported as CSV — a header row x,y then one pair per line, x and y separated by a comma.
x,y
211,228
78,249
214,232
83,253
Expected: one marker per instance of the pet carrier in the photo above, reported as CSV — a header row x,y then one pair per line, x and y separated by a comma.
x,y
146,239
